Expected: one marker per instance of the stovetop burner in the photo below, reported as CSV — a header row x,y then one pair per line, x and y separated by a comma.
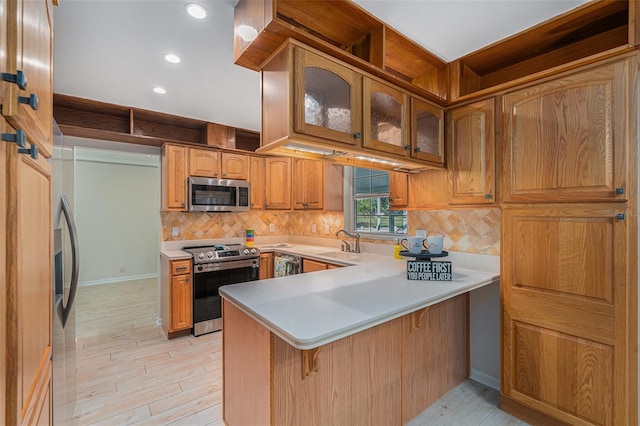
x,y
221,252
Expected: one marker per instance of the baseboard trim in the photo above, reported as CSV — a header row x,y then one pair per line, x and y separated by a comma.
x,y
527,414
485,379
117,279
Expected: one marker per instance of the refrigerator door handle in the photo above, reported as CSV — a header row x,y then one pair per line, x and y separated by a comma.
x,y
65,310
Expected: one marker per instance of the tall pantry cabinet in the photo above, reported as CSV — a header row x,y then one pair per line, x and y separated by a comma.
x,y
569,235
25,221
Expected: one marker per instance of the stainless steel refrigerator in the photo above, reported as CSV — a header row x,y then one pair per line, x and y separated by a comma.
x,y
65,280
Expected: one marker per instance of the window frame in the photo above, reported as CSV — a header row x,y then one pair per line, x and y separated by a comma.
x,y
349,213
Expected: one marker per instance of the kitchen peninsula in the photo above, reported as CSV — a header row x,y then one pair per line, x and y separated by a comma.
x,y
354,345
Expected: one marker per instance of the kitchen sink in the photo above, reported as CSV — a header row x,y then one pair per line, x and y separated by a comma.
x,y
343,255
280,245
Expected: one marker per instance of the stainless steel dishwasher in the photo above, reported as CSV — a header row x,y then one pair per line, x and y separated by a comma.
x,y
285,264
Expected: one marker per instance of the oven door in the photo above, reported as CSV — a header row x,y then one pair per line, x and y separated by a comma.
x,y
207,279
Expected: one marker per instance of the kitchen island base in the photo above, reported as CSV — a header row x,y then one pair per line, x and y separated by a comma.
x,y
386,374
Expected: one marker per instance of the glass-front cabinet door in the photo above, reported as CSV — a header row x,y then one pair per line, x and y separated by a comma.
x,y
327,99
427,132
385,118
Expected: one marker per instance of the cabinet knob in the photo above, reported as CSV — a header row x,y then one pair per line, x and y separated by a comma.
x,y
19,79
407,147
182,204
224,174
487,196
19,137
619,191
620,216
32,151
357,135
417,149
31,100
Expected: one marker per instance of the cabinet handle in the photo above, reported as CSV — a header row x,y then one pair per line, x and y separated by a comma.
x,y
181,268
407,147
32,151
620,216
417,149
357,135
19,137
619,191
19,79
487,196
31,100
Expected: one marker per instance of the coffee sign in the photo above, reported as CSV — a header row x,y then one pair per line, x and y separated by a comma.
x,y
428,271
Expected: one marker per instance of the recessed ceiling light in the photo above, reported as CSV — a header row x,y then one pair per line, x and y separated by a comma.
x,y
246,32
196,10
170,57
159,90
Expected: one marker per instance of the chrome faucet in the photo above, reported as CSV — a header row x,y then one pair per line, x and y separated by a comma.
x,y
346,246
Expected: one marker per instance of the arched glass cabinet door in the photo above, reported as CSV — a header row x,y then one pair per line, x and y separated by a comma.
x,y
427,128
328,99
386,125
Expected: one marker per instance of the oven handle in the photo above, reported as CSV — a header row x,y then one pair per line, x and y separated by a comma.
x,y
226,265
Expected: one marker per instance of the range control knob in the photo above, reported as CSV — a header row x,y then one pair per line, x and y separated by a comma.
x,y
200,268
201,256
253,251
210,255
246,251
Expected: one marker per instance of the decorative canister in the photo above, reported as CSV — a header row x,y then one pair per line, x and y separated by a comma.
x,y
250,235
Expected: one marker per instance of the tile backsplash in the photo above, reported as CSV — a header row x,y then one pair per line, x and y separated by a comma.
x,y
471,231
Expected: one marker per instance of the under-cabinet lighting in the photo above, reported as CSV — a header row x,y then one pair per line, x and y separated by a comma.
x,y
195,10
376,160
312,150
247,32
159,90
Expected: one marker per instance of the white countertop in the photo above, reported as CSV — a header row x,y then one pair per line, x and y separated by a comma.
x,y
313,309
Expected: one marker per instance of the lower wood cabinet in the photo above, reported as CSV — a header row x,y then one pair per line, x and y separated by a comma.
x,y
380,376
309,265
266,266
176,295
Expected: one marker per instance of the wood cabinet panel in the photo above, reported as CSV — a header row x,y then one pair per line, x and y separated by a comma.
x,y
398,190
181,302
180,267
257,180
568,139
30,49
435,353
386,118
174,168
266,266
471,153
204,163
427,132
278,180
308,184
309,265
234,166
565,301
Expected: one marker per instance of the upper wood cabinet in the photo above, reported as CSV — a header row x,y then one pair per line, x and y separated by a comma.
x,y
386,124
398,190
427,131
471,153
174,177
278,183
568,139
29,49
327,98
234,166
317,185
204,163
257,180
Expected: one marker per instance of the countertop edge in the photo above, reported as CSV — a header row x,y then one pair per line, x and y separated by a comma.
x,y
311,344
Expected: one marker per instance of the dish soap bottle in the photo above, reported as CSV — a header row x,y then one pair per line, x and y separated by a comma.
x,y
396,250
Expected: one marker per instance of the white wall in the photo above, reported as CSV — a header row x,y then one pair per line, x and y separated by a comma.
x,y
484,319
117,201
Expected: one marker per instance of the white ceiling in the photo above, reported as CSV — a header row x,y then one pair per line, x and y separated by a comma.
x,y
113,51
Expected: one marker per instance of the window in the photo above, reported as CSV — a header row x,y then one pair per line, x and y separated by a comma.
x,y
367,204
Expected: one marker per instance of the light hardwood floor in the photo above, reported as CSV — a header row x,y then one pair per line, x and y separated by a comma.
x,y
129,373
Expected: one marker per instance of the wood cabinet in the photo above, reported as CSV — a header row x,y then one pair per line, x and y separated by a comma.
x,y
317,185
176,296
386,118
29,48
398,190
257,180
203,163
266,266
471,153
568,139
174,177
234,166
567,334
277,194
310,265
427,131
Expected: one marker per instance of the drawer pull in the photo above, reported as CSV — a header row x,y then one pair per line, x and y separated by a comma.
x,y
181,268
19,79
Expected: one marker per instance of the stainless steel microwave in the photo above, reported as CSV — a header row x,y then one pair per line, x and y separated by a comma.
x,y
218,195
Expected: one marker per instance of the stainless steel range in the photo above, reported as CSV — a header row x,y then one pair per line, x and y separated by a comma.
x,y
213,267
